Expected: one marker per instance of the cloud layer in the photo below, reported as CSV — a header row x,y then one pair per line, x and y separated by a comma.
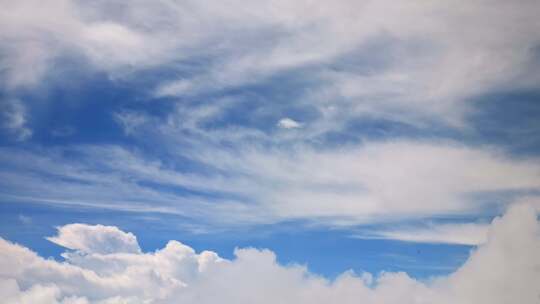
x,y
500,271
369,56
376,182
257,91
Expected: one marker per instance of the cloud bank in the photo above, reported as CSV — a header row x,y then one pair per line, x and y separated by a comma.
x,y
499,271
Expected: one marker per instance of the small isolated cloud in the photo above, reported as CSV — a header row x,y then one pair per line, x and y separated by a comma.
x,y
178,274
95,239
288,123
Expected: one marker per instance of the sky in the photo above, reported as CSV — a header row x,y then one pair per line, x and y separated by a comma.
x,y
269,151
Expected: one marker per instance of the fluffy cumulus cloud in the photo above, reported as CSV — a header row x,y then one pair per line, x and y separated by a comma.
x,y
499,271
97,239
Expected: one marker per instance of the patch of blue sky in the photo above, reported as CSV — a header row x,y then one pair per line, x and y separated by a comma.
x,y
508,120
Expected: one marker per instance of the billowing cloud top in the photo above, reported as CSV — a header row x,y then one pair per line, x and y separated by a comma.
x,y
96,239
497,272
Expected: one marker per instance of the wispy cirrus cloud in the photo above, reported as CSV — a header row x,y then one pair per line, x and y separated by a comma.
x,y
429,64
461,234
396,62
14,119
377,182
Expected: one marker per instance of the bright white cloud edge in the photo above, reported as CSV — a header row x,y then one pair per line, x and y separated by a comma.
x,y
177,274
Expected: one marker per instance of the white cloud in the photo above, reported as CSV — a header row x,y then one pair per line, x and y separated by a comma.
x,y
463,234
424,66
176,273
39,294
516,233
378,181
406,61
95,239
427,63
288,123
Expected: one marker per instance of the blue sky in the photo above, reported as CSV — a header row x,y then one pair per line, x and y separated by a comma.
x,y
378,137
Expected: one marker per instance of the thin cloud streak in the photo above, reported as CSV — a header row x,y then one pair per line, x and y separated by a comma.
x,y
459,234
